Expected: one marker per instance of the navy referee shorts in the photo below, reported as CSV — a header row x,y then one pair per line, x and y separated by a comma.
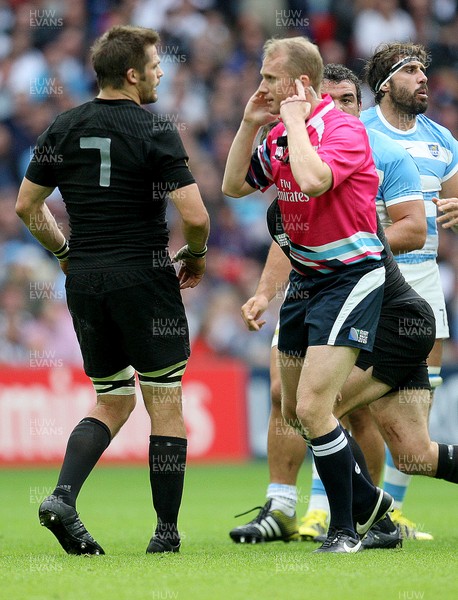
x,y
337,309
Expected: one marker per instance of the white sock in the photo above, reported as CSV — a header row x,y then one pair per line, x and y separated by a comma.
x,y
283,496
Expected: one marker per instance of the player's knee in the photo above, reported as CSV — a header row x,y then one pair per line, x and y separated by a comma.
x,y
305,416
116,394
126,405
308,414
118,408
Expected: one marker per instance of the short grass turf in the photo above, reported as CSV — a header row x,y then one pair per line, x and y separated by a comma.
x,y
116,508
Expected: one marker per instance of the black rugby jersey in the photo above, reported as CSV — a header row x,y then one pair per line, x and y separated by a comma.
x,y
114,164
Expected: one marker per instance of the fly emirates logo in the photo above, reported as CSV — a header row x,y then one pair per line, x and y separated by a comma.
x,y
288,195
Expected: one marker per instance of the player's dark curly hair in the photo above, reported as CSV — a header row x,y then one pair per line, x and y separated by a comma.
x,y
119,49
378,66
339,73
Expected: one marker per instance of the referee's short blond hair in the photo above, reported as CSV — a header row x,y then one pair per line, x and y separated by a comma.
x,y
302,57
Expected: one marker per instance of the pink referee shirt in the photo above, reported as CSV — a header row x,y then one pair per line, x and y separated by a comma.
x,y
339,227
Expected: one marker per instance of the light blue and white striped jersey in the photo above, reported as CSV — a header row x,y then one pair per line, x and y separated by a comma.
x,y
435,152
398,175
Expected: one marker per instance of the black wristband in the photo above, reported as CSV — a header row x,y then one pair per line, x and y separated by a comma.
x,y
63,252
200,254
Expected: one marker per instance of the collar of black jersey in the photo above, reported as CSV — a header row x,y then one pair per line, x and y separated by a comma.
x,y
113,101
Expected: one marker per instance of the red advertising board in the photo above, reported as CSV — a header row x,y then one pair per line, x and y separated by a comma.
x,y
39,407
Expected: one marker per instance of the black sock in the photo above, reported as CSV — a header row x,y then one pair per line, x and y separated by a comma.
x,y
85,446
447,464
167,462
333,460
358,456
364,491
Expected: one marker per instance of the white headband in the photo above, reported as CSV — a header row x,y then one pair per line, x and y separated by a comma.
x,y
395,68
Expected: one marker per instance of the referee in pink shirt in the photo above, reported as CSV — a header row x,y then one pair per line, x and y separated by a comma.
x,y
320,161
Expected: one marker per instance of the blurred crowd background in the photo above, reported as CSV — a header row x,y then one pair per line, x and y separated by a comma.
x,y
211,56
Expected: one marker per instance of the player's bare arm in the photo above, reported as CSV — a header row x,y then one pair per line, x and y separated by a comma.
x,y
238,161
36,216
196,228
273,278
312,174
408,229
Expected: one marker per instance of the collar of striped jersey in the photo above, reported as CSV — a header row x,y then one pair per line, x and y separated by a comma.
x,y
397,67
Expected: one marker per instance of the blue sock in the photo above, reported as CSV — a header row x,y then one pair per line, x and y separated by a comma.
x,y
395,482
318,499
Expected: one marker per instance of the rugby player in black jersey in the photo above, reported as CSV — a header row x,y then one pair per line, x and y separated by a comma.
x,y
115,165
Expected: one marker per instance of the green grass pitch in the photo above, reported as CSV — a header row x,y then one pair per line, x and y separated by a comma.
x,y
116,508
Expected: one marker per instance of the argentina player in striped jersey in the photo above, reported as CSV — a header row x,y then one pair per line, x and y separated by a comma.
x,y
396,74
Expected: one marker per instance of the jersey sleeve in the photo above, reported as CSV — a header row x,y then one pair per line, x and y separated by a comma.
x,y
401,180
259,174
344,149
452,166
169,157
40,169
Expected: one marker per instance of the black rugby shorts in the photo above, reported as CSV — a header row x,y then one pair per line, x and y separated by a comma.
x,y
404,339
127,318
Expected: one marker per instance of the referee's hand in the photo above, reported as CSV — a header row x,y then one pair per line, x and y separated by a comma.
x,y
252,310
